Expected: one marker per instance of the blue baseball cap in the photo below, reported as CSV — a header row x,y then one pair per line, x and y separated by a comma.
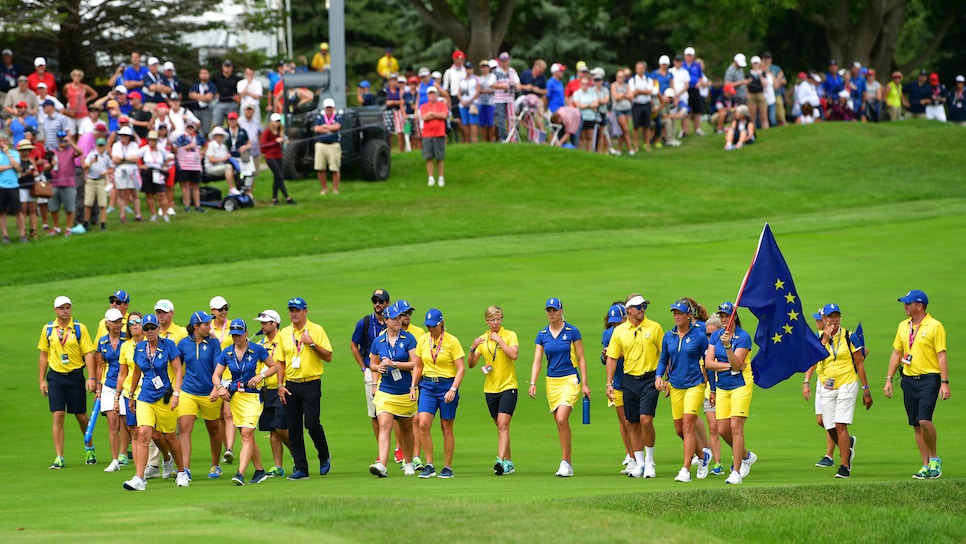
x,y
364,84
616,313
681,306
817,315
393,311
47,102
914,296
149,319
238,326
433,317
403,306
727,308
554,303
830,309
121,296
297,302
199,317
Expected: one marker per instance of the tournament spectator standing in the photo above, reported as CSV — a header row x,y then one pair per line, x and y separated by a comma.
x,y
957,102
302,349
894,97
66,349
203,94
433,114
64,183
10,189
155,87
833,83
452,77
328,145
735,75
917,95
695,101
387,65
21,94
936,108
505,87
226,87
321,60
780,82
641,88
365,332
9,72
555,87
250,91
41,75
919,349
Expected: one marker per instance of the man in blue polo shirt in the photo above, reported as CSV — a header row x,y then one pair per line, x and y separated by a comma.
x,y
918,95
555,87
328,146
695,101
833,83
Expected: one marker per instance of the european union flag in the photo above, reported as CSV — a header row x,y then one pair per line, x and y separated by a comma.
x,y
786,344
858,339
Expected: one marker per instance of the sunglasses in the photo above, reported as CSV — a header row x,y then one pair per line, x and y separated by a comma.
x,y
553,309
134,321
408,312
222,309
237,329
640,307
150,328
378,301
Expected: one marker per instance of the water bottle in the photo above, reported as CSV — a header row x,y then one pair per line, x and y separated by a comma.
x,y
586,410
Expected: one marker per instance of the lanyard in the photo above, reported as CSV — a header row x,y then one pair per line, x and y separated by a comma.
x,y
391,348
912,333
240,367
62,336
298,345
435,349
328,120
224,331
834,344
496,348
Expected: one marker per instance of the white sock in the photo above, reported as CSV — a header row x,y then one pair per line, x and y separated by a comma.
x,y
649,454
639,458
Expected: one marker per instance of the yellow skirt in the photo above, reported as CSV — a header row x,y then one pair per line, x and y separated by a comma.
x,y
245,409
397,405
562,391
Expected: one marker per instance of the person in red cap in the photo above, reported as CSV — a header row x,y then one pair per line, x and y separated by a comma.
x,y
140,116
724,109
936,108
19,122
452,77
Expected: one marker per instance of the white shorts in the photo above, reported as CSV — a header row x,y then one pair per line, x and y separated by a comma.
x,y
370,404
126,177
109,398
818,398
936,112
838,405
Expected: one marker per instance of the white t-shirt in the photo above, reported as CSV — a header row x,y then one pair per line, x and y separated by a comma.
x,y
485,82
467,90
253,86
124,156
452,78
641,83
216,151
768,84
680,78
155,159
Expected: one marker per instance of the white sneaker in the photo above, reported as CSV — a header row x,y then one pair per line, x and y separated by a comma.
x,y
632,466
635,471
627,460
151,472
378,469
695,459
746,464
699,132
408,470
170,211
632,152
442,182
431,182
167,218
135,484
113,467
705,464
182,479
684,475
649,471
734,478
167,469
154,217
566,470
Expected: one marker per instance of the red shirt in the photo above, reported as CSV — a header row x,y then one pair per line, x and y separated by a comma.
x,y
434,128
269,147
48,78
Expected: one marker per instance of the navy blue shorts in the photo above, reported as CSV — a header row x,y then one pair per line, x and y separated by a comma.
x,y
273,412
504,402
65,392
640,396
431,398
131,419
919,394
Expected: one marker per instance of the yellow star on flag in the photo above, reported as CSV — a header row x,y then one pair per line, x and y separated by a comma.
x,y
777,338
793,315
779,284
788,328
790,298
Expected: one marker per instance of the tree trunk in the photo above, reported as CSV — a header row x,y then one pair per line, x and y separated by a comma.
x,y
486,30
71,41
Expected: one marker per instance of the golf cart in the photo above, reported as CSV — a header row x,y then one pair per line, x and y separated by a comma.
x,y
365,142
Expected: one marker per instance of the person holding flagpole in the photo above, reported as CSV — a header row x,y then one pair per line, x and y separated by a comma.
x,y
919,349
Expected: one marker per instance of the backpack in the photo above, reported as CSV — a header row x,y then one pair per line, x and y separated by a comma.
x,y
50,330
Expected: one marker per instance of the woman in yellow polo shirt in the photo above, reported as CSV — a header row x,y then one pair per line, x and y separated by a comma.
x,y
499,349
129,430
439,373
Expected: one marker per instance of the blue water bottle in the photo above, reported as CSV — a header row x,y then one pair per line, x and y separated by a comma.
x,y
586,410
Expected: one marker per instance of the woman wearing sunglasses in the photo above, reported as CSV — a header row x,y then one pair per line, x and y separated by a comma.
x,y
134,334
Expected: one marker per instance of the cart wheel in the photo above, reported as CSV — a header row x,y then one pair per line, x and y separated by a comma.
x,y
230,204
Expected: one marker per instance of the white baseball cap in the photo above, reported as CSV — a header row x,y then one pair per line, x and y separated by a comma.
x,y
269,316
153,60
218,302
557,67
755,59
688,50
493,63
40,61
125,131
740,60
275,117
60,301
432,90
165,305
113,315
120,89
168,66
328,103
664,60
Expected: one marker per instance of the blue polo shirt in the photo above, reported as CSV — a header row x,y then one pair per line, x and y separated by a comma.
x,y
198,359
727,379
694,70
682,357
619,373
526,78
9,178
832,85
242,370
916,93
664,81
158,366
363,337
555,94
561,359
398,352
329,137
130,74
112,357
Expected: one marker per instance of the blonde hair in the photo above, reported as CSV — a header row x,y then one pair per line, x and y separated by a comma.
x,y
77,71
493,311
713,323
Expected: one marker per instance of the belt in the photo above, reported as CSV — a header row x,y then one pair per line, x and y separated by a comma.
x,y
303,380
920,376
436,378
642,376
68,373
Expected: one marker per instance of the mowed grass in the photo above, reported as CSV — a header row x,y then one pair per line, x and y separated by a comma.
x,y
870,242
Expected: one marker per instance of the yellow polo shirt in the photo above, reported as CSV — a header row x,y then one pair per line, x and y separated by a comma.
x,y
64,340
127,358
102,327
176,333
290,346
271,346
929,339
221,333
504,375
640,346
416,331
839,364
439,357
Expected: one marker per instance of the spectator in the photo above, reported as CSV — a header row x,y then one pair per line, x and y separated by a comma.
x,y
841,109
724,109
603,111
77,94
274,78
669,112
452,78
170,79
226,88
809,115
555,87
43,93
936,107
178,115
97,167
486,100
622,95
857,85
768,84
433,115
918,95
735,75
21,93
893,96
574,84
696,104
30,172
87,124
742,130
217,156
425,82
203,94
133,75
805,94
271,146
506,84
680,82
833,83
10,189
364,96
585,100
957,102
140,117
872,98
250,123
394,116
9,72
20,122
469,106
41,75
410,100
53,123
250,92
239,142
188,149
63,182
321,60
641,89
155,87
328,146
124,152
757,105
387,65
533,84
154,166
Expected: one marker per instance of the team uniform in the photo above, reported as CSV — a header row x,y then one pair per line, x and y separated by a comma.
x,y
273,411
198,360
921,379
221,333
246,403
838,383
127,358
563,381
605,339
439,371
153,401
175,333
367,330
640,346
393,394
500,386
681,359
416,331
110,392
102,326
65,349
733,390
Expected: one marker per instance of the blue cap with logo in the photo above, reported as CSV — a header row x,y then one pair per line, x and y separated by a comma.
x,y
121,296
727,308
817,315
393,311
403,306
148,320
616,313
298,303
433,317
830,309
914,296
238,326
681,306
199,317
554,303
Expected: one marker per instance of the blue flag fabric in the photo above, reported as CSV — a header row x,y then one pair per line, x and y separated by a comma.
x,y
786,344
858,339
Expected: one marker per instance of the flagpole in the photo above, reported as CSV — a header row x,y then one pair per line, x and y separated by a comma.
x,y
744,282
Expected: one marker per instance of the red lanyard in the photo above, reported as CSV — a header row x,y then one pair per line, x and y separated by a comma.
x,y
62,336
912,333
435,348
